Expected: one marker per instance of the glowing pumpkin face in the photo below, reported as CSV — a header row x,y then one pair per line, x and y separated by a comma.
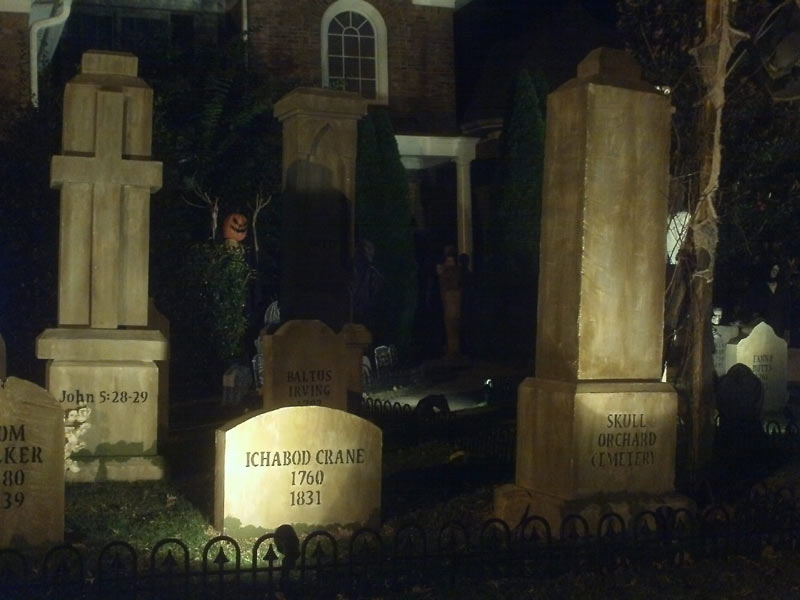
x,y
235,227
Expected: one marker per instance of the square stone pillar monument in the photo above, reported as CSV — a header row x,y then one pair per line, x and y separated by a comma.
x,y
596,429
320,140
106,175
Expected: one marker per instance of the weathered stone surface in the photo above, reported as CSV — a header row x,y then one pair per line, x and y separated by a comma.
x,y
32,469
305,466
305,364
583,438
596,421
766,354
121,440
602,267
106,176
319,144
101,344
92,469
123,397
319,150
321,126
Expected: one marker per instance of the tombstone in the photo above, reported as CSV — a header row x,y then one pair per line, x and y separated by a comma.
x,y
315,254
383,362
272,316
32,473
357,339
740,395
305,364
236,382
303,466
766,355
722,334
320,128
103,352
319,149
3,359
740,450
366,371
320,137
596,422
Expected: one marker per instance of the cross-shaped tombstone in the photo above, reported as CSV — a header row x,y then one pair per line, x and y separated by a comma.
x,y
106,179
106,176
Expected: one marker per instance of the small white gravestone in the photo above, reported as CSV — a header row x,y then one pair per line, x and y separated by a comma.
x,y
236,382
306,466
305,364
766,354
32,469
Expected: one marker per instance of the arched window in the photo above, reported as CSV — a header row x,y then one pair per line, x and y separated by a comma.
x,y
354,49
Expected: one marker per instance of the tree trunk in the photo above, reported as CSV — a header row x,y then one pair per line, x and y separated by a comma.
x,y
712,58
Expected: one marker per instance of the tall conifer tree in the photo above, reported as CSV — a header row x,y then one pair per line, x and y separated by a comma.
x,y
383,216
517,218
518,215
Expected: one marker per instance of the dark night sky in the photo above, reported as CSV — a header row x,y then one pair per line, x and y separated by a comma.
x,y
495,38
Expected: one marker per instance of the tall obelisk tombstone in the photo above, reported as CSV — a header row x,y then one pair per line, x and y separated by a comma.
x,y
596,429
106,175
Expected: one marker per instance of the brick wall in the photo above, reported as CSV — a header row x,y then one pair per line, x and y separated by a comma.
x,y
285,42
14,78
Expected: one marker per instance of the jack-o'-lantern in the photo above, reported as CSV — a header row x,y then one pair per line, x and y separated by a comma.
x,y
234,228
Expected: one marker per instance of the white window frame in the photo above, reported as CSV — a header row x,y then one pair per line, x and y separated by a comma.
x,y
372,15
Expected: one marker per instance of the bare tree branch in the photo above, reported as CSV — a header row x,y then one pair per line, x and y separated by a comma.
x,y
207,202
260,203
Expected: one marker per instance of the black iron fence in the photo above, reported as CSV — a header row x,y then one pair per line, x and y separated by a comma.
x,y
373,564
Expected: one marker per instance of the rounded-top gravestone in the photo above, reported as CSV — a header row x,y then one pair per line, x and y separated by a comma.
x,y
32,469
301,465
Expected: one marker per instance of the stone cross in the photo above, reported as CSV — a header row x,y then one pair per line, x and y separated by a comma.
x,y
106,179
106,176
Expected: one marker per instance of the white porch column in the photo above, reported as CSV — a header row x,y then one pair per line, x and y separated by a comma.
x,y
464,204
424,151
